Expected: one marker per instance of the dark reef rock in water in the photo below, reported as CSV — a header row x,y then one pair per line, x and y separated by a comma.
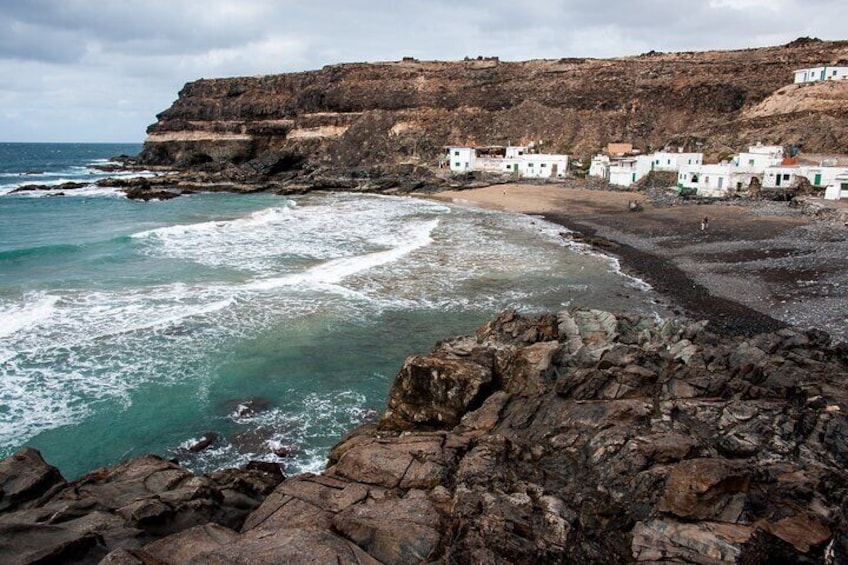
x,y
581,437
204,443
146,194
46,187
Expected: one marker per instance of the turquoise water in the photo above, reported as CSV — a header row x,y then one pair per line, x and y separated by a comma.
x,y
129,328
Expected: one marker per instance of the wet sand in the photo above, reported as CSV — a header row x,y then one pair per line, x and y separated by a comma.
x,y
759,266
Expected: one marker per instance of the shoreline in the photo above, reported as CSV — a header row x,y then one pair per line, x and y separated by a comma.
x,y
759,267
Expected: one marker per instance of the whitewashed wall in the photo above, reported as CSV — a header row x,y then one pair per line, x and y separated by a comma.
x,y
462,159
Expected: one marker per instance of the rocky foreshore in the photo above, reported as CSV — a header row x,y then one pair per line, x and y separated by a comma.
x,y
579,437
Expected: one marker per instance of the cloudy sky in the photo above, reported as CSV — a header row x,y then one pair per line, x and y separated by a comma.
x,y
100,70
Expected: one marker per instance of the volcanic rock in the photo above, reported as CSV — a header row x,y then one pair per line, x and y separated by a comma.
x,y
580,437
123,506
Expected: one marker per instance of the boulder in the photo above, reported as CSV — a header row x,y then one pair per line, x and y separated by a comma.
x,y
405,530
703,489
24,478
434,392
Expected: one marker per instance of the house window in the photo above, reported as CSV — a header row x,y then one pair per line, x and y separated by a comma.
x,y
786,177
530,165
507,167
457,164
750,161
456,153
543,165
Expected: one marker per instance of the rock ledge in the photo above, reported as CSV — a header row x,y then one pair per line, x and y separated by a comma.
x,y
584,437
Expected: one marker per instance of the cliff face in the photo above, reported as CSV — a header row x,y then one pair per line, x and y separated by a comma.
x,y
360,116
580,437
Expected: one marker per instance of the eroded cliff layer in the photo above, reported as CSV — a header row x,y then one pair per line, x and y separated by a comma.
x,y
361,116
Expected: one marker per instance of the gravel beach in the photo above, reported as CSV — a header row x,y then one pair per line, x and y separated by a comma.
x,y
759,265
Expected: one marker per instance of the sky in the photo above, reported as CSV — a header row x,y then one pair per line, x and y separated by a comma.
x,y
100,70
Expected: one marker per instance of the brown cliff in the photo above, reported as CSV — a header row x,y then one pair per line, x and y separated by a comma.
x,y
375,116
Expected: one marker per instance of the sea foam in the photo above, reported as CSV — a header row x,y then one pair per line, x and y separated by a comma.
x,y
35,308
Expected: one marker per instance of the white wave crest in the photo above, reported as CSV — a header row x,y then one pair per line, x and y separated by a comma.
x,y
35,309
334,271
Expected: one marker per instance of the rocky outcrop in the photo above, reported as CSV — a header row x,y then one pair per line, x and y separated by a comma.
x,y
353,122
581,437
48,520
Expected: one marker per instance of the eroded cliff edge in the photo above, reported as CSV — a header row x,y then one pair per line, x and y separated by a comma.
x,y
583,437
375,119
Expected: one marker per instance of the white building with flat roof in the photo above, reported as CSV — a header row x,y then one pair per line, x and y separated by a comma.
x,y
758,158
624,172
822,176
600,167
816,74
672,161
714,181
462,159
781,176
511,160
839,188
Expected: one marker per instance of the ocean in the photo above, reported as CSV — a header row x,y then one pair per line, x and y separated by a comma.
x,y
272,324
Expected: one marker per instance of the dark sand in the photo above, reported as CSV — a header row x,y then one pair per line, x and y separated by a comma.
x,y
758,267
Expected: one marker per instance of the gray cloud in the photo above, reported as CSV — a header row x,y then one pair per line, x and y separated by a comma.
x,y
83,70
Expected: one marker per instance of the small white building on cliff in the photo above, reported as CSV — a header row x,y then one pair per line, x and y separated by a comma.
x,y
816,74
510,160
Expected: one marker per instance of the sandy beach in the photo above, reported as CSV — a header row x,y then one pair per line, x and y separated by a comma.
x,y
757,267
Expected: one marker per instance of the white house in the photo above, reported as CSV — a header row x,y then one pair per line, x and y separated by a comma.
x,y
816,74
822,176
839,188
759,157
542,165
600,167
672,161
508,160
624,172
714,181
782,177
706,180
462,159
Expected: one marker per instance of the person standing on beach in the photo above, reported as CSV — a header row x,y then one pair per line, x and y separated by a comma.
x,y
705,223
